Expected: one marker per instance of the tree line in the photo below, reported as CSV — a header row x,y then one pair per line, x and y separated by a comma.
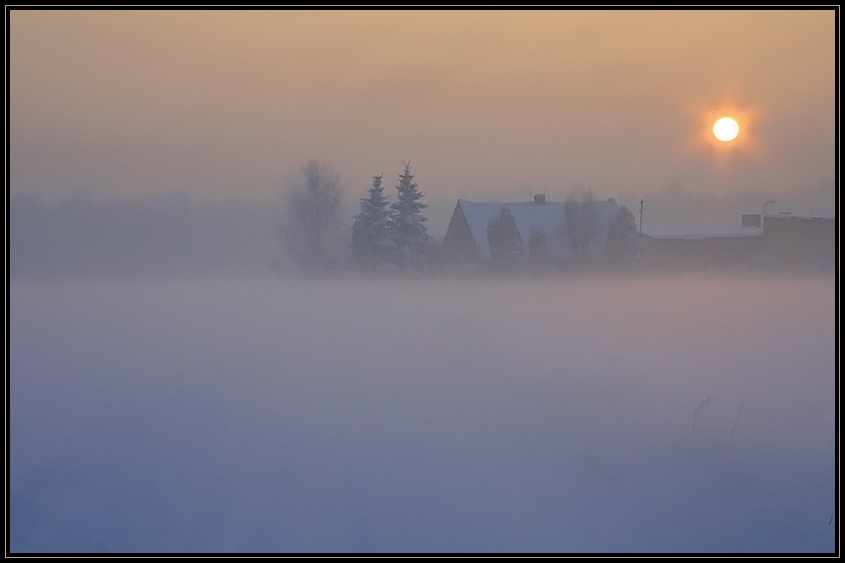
x,y
161,234
385,236
389,236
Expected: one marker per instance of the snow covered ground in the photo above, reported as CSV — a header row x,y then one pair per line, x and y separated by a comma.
x,y
654,414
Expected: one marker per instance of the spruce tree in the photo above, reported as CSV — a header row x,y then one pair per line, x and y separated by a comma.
x,y
409,234
371,244
505,242
538,252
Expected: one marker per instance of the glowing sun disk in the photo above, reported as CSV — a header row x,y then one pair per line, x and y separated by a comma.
x,y
725,129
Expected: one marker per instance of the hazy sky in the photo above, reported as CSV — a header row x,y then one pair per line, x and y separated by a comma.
x,y
484,104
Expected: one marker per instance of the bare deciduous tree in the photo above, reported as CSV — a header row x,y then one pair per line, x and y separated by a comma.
x,y
621,244
581,224
314,222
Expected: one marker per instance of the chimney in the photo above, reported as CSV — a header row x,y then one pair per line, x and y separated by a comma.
x,y
539,199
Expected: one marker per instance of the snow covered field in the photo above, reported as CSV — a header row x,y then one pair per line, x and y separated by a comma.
x,y
658,414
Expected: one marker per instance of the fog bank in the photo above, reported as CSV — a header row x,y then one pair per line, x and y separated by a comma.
x,y
658,414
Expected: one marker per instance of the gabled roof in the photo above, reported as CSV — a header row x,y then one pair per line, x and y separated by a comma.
x,y
529,216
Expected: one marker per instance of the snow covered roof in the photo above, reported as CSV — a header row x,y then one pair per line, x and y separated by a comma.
x,y
548,217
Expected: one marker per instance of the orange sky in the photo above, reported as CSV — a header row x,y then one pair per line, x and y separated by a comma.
x,y
484,104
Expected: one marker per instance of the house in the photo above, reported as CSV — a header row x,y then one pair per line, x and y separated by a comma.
x,y
466,238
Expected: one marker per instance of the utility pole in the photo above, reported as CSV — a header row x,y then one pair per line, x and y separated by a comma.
x,y
765,205
642,201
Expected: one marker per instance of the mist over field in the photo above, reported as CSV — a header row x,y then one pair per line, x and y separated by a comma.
x,y
422,280
649,413
87,236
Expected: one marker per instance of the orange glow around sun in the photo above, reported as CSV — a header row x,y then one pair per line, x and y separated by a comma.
x,y
726,130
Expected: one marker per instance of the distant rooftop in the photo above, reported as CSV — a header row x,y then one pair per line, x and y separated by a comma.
x,y
701,231
790,215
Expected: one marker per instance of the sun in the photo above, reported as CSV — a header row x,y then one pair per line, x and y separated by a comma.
x,y
725,129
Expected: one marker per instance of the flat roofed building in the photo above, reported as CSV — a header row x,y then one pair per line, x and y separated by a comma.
x,y
800,241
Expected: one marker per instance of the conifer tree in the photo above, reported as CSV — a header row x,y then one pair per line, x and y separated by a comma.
x,y
408,231
538,252
505,242
371,244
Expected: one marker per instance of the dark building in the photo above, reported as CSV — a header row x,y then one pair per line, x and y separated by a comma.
x,y
703,251
752,220
800,241
782,240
